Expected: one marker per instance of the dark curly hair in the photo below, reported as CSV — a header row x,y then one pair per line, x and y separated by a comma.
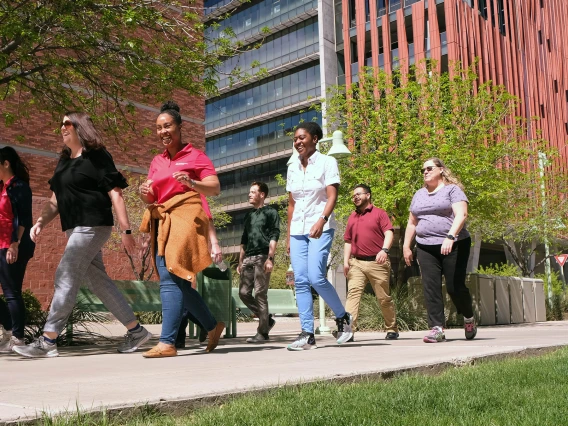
x,y
172,109
312,128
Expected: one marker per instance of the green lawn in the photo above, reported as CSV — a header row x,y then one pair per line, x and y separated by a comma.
x,y
529,391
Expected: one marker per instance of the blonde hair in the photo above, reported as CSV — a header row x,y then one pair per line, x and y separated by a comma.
x,y
447,176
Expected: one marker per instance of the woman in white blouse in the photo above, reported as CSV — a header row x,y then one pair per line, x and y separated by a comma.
x,y
312,182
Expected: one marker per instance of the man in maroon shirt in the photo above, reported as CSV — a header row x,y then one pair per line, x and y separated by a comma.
x,y
368,238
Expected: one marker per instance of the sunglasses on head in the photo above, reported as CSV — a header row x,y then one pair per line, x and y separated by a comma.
x,y
66,123
428,168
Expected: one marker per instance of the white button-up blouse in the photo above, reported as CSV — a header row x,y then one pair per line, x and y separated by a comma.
x,y
308,189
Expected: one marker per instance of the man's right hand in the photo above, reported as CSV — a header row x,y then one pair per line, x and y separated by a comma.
x,y
239,266
346,269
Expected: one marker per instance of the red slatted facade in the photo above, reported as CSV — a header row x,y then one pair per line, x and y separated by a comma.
x,y
524,47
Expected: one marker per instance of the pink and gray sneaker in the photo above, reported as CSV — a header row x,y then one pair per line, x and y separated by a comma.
x,y
470,328
436,335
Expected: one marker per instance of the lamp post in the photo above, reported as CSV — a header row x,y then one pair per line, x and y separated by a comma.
x,y
542,162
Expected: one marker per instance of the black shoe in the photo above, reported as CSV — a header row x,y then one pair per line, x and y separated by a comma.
x,y
391,335
271,323
180,344
258,338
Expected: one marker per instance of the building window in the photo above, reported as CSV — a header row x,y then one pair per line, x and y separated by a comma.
x,y
555,85
542,115
482,6
352,14
539,37
501,14
381,8
566,127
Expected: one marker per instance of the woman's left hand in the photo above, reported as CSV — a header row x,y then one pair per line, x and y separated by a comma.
x,y
317,229
129,243
182,177
12,254
447,246
216,253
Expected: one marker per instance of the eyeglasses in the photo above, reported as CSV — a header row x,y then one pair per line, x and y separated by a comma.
x,y
358,195
66,123
428,168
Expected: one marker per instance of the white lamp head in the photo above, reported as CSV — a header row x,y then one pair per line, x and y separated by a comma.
x,y
338,149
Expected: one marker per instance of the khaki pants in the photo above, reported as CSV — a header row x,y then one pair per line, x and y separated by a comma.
x,y
360,272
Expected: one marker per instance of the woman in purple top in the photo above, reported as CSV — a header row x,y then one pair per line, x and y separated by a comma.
x,y
437,218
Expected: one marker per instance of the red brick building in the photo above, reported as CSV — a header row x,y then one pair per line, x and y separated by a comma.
x,y
38,141
521,44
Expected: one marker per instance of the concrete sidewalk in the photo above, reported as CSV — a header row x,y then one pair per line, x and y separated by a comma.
x,y
97,376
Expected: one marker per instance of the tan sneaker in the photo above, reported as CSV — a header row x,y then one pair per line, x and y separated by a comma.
x,y
161,352
214,336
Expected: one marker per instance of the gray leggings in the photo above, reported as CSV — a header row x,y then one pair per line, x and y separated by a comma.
x,y
82,261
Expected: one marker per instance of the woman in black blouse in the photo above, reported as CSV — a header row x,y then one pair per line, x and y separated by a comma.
x,y
86,185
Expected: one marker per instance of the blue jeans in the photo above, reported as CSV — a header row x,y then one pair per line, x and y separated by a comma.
x,y
309,261
177,295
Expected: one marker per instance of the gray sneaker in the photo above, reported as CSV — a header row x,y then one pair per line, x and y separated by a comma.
x,y
7,345
39,348
344,329
132,341
258,338
304,341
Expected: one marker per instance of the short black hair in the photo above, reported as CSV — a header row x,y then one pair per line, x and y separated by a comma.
x,y
367,188
262,187
312,128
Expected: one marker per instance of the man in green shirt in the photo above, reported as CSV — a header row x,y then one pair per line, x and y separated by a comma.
x,y
256,260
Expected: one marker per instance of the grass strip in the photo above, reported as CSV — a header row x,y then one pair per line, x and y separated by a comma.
x,y
525,391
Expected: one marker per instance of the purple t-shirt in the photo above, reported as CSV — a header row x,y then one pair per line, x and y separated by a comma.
x,y
435,215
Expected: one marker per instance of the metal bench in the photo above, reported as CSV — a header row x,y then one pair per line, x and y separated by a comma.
x,y
280,301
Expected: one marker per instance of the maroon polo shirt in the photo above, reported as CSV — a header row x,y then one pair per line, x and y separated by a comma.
x,y
366,231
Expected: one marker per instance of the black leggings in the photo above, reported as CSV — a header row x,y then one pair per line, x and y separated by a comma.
x,y
12,315
433,265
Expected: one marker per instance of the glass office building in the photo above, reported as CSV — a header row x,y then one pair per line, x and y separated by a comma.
x,y
248,124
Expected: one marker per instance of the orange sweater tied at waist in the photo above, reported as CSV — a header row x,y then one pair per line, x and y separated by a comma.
x,y
180,228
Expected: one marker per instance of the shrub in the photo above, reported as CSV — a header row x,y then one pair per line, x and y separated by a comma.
x,y
149,317
499,269
408,318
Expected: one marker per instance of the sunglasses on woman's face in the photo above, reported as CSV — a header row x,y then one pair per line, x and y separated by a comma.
x,y
66,123
428,169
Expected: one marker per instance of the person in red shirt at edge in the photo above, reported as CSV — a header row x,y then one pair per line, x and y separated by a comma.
x,y
368,238
180,176
16,246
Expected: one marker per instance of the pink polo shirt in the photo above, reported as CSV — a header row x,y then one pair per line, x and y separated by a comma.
x,y
189,160
6,216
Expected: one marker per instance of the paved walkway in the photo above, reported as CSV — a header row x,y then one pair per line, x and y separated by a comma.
x,y
98,376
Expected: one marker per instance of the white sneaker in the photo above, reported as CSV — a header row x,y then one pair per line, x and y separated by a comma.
x,y
304,341
344,328
40,348
7,345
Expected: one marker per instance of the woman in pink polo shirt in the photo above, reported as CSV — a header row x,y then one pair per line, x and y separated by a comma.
x,y
177,180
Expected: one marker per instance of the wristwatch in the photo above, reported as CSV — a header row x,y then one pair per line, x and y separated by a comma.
x,y
386,250
271,258
127,231
324,217
451,237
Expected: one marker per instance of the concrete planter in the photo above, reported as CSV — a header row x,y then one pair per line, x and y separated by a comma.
x,y
496,299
